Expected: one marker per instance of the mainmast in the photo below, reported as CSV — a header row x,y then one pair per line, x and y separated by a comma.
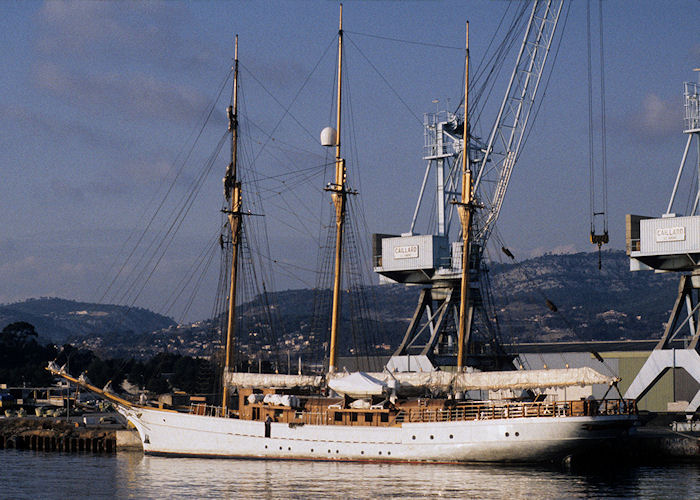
x,y
232,192
339,194
465,208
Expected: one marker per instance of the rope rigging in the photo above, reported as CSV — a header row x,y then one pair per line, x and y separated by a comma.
x,y
182,159
276,188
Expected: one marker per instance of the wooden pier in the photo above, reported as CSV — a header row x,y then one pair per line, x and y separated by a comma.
x,y
49,434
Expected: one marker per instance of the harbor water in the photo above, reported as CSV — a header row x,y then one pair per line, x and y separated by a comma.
x,y
32,474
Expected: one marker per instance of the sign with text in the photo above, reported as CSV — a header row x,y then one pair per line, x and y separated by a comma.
x,y
406,252
670,234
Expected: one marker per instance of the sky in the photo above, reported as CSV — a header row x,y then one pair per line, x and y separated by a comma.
x,y
101,103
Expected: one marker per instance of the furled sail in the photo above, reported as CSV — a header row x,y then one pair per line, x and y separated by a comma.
x,y
360,384
517,379
272,380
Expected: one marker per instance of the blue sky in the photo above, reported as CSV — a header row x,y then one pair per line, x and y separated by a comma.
x,y
98,99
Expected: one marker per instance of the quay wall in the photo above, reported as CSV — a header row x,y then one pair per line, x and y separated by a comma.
x,y
50,434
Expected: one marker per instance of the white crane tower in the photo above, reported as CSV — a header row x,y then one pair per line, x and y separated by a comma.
x,y
432,260
672,243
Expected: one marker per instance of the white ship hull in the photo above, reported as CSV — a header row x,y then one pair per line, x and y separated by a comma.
x,y
532,439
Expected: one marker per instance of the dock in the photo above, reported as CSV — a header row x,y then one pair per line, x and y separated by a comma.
x,y
63,435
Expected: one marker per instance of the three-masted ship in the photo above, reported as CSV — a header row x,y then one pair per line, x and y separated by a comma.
x,y
374,416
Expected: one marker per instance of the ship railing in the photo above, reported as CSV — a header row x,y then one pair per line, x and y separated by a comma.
x,y
490,410
473,410
206,410
314,417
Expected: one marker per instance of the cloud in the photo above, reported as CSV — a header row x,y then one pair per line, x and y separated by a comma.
x,y
79,22
105,187
52,270
41,128
118,59
144,171
68,191
61,129
136,95
276,74
24,268
657,119
129,32
124,180
25,263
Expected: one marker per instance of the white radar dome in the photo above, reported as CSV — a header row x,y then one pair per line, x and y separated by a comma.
x,y
328,136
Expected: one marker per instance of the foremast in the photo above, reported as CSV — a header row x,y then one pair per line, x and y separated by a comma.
x,y
232,192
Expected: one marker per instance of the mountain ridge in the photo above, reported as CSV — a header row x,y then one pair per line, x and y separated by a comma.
x,y
607,304
59,320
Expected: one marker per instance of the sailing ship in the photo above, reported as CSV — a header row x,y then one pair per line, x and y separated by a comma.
x,y
390,416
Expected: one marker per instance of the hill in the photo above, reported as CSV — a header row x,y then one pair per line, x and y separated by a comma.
x,y
607,304
60,320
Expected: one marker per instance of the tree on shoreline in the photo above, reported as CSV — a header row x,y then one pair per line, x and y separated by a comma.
x,y
23,360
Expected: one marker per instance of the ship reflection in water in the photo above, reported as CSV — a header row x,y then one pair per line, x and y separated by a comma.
x,y
29,474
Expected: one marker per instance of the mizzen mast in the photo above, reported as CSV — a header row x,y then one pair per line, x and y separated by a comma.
x,y
465,208
232,192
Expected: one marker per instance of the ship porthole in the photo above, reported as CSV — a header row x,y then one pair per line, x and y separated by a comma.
x,y
266,447
507,434
380,452
451,436
362,452
432,437
312,450
413,437
517,433
336,451
289,448
388,453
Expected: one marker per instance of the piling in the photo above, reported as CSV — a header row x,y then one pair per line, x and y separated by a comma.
x,y
50,434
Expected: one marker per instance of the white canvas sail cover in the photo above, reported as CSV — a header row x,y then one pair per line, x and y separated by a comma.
x,y
358,385
272,380
517,379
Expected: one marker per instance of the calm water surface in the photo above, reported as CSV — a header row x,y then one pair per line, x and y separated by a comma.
x,y
27,474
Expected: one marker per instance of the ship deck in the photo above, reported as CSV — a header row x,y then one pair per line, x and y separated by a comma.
x,y
333,411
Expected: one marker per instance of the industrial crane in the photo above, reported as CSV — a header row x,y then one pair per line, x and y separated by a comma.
x,y
432,260
672,243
